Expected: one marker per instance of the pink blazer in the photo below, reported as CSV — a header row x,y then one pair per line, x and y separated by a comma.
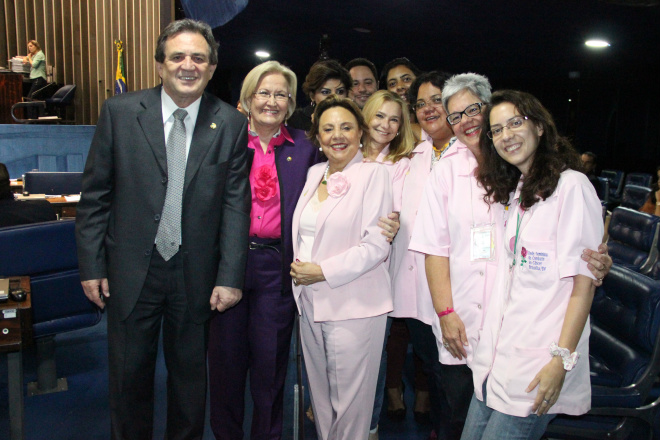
x,y
348,244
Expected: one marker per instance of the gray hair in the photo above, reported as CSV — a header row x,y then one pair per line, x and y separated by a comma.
x,y
192,26
477,84
254,77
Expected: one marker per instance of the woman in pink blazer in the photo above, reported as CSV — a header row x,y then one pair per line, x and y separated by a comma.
x,y
340,276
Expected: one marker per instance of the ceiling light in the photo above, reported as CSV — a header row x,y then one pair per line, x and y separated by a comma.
x,y
362,30
262,54
597,43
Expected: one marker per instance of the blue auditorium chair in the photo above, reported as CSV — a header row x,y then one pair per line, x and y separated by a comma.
x,y
616,183
624,352
633,239
634,196
47,253
641,179
602,186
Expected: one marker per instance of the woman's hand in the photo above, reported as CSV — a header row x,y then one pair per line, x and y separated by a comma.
x,y
549,380
306,273
454,337
599,263
389,225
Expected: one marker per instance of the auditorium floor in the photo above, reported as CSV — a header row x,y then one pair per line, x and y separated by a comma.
x,y
81,413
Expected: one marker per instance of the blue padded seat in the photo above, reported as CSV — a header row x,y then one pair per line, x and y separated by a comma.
x,y
633,237
47,253
602,186
641,179
624,352
616,182
634,196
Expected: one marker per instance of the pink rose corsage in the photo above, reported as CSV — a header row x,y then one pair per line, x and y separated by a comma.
x,y
265,183
338,185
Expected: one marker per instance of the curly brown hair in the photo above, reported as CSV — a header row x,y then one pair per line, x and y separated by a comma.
x,y
553,155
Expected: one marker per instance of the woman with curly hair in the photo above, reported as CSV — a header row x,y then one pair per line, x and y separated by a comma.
x,y
532,359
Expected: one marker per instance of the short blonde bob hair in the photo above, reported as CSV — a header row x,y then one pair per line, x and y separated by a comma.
x,y
254,77
402,144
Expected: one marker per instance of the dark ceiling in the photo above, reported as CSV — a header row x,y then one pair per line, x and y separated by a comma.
x,y
533,45
505,40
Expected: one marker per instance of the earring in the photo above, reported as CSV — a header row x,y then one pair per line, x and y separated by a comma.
x,y
360,144
313,103
320,149
397,133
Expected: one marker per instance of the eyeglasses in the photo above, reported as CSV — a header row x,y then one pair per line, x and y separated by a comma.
x,y
264,95
513,124
435,101
470,111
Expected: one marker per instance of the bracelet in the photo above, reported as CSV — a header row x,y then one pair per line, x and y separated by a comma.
x,y
446,312
568,359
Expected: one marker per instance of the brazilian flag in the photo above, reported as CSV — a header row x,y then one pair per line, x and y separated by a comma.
x,y
120,76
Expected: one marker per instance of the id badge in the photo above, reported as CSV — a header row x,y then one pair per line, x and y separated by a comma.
x,y
482,243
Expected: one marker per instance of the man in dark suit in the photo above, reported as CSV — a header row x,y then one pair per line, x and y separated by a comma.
x,y
162,238
14,212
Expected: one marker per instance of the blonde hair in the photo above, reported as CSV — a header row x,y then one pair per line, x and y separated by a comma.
x,y
254,77
402,144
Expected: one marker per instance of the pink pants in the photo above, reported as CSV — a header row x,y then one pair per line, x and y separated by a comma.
x,y
342,360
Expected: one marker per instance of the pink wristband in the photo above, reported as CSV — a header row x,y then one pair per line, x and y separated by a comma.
x,y
446,312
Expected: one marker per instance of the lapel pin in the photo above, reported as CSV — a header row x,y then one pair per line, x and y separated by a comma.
x,y
213,126
288,159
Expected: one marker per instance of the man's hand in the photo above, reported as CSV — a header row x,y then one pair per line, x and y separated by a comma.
x,y
223,298
96,291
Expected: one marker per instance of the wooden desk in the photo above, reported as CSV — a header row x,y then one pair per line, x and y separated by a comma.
x,y
16,319
15,334
16,186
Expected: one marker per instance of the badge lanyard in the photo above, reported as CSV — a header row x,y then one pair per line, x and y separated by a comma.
x,y
515,242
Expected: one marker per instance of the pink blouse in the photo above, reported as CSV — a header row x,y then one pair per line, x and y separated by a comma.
x,y
265,218
397,173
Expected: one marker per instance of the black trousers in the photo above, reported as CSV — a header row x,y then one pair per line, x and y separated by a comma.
x,y
425,346
37,84
133,347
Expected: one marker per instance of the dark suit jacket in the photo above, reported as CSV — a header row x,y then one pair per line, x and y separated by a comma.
x,y
15,212
292,161
123,192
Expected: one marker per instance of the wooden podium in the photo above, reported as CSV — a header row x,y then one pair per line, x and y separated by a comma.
x,y
11,92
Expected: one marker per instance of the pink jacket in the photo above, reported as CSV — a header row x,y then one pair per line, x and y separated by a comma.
x,y
451,204
527,310
348,244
